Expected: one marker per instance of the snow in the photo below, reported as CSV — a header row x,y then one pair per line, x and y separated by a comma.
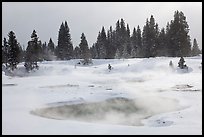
x,y
172,98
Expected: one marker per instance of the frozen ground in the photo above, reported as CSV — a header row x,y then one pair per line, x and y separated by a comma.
x,y
61,98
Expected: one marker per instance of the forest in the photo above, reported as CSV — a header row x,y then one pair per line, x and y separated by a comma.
x,y
114,43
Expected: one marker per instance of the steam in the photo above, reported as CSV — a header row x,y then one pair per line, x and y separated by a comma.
x,y
117,110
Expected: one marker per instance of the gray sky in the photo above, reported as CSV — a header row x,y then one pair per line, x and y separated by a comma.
x,y
89,17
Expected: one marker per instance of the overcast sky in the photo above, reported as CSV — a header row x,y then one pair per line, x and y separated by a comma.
x,y
89,17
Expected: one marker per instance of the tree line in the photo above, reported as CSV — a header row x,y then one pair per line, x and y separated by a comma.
x,y
151,41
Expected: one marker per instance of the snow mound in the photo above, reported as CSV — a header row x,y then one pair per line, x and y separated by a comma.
x,y
185,70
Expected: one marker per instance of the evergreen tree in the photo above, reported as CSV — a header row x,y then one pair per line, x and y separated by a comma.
x,y
64,50
101,44
39,52
108,47
169,50
157,33
5,49
152,37
60,47
33,52
123,37
13,51
179,40
146,40
125,53
51,50
139,42
110,44
128,42
117,54
44,51
195,49
21,54
150,33
51,46
118,38
174,41
134,43
84,49
68,43
94,51
77,53
162,45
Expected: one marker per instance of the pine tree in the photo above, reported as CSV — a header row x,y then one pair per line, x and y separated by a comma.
x,y
134,43
77,53
125,53
51,50
123,37
128,42
118,38
110,44
33,52
149,38
84,49
195,49
5,49
117,54
21,54
101,44
139,42
146,41
68,43
51,46
157,32
64,50
179,40
185,37
13,51
44,51
152,37
39,51
162,45
60,47
169,50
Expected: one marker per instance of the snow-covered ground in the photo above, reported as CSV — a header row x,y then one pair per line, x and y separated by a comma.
x,y
170,100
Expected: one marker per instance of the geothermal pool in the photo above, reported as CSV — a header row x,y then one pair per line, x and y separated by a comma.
x,y
119,110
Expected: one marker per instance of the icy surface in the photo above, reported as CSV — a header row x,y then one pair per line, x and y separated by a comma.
x,y
172,98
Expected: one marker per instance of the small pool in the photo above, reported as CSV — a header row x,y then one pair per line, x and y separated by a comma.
x,y
119,110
